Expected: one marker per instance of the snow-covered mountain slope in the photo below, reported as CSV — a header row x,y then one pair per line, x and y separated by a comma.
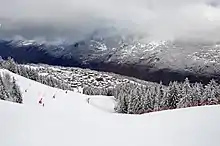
x,y
149,60
70,120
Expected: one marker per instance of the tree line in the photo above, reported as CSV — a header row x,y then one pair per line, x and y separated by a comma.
x,y
138,99
32,73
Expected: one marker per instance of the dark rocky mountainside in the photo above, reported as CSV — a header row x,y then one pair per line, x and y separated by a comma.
x,y
153,61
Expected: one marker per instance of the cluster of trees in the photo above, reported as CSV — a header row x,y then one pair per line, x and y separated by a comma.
x,y
92,90
137,99
32,73
9,90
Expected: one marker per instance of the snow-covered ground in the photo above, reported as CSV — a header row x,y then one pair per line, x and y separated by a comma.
x,y
72,120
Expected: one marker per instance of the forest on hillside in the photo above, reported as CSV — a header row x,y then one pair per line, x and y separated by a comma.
x,y
131,97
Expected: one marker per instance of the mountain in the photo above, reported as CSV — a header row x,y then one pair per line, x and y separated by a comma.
x,y
153,60
69,119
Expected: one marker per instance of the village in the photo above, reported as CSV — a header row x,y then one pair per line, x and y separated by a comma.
x,y
80,78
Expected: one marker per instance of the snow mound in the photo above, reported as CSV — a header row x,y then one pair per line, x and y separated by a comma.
x,y
103,103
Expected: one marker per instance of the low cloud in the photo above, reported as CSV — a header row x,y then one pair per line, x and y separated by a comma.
x,y
73,19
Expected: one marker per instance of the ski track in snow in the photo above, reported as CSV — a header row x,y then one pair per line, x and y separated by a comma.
x,y
69,120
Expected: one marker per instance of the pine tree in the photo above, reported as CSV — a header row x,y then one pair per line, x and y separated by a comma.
x,y
214,93
10,65
149,99
23,71
16,93
186,95
131,103
3,93
136,100
122,104
7,82
122,95
32,73
196,94
171,98
1,62
211,93
159,97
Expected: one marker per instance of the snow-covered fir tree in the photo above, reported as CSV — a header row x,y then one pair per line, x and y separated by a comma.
x,y
10,65
9,90
16,93
172,96
4,95
159,97
185,94
196,94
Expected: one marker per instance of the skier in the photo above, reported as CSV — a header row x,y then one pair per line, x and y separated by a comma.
x,y
40,101
53,96
88,100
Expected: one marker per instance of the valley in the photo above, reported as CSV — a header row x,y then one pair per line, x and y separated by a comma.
x,y
155,61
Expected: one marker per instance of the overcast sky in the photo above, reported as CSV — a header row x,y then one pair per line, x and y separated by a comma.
x,y
156,19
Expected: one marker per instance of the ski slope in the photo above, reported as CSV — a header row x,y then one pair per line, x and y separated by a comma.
x,y
72,120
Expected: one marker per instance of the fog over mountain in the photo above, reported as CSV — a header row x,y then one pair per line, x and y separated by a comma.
x,y
73,20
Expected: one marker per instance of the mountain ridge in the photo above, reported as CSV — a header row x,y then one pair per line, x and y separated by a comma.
x,y
153,61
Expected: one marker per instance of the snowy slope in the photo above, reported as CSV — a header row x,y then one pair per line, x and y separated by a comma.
x,y
69,120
